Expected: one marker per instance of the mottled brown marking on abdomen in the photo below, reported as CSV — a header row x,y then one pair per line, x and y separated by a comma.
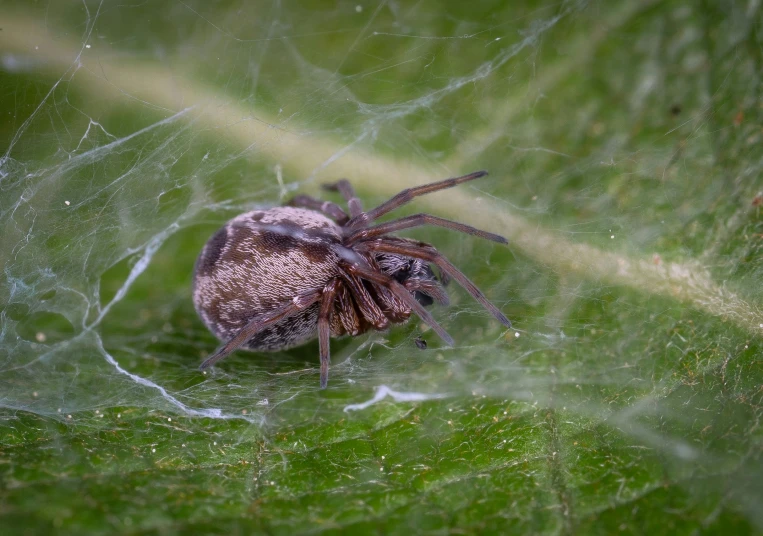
x,y
212,252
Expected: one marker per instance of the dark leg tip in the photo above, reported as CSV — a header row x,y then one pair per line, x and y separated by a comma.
x,y
206,363
211,360
468,177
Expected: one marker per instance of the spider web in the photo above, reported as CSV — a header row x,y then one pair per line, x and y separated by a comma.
x,y
127,145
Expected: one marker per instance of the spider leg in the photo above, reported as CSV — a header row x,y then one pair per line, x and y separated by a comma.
x,y
258,324
368,308
393,307
428,253
330,209
324,329
366,272
417,220
430,288
346,310
406,196
390,302
344,187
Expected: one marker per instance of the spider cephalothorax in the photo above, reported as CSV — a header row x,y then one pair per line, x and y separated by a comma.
x,y
274,279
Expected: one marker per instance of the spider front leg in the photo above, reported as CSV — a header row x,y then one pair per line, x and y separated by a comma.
x,y
401,198
418,220
425,252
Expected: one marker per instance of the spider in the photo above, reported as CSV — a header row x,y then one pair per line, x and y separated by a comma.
x,y
273,279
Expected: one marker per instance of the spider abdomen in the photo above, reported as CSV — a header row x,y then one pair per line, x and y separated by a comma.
x,y
259,261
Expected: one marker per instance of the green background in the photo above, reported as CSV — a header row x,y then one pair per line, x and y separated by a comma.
x,y
625,148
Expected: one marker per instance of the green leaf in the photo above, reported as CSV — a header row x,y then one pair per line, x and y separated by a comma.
x,y
625,149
